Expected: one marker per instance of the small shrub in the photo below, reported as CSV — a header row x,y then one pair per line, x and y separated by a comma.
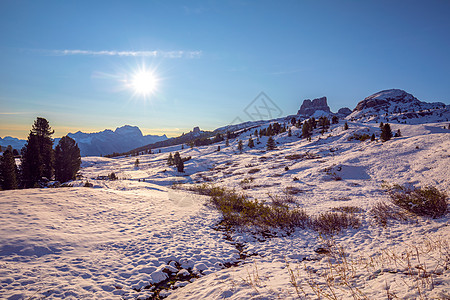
x,y
359,137
112,176
292,190
347,209
88,184
332,222
286,168
382,212
426,201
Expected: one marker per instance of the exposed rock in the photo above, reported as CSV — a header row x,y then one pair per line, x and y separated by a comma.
x,y
345,111
196,129
309,107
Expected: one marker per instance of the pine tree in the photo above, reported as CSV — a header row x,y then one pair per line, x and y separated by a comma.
x,y
8,171
251,144
178,162
345,126
335,120
67,159
240,146
270,144
289,132
136,163
293,121
170,161
386,133
398,133
41,128
372,138
306,130
227,142
31,166
218,148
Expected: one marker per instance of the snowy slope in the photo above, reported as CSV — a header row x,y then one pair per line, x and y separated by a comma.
x,y
398,106
114,240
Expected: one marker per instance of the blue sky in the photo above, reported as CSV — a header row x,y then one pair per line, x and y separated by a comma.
x,y
67,60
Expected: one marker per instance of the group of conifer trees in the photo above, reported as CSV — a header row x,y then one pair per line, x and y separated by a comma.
x,y
39,161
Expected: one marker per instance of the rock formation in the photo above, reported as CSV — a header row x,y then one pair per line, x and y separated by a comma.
x,y
309,107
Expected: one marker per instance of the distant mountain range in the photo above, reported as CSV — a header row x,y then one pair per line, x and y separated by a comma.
x,y
394,105
104,142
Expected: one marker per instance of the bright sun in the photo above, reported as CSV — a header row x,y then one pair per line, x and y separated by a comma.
x,y
144,82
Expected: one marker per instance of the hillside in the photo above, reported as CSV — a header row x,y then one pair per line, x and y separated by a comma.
x,y
148,235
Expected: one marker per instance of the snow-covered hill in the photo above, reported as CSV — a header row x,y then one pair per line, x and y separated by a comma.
x,y
400,107
120,238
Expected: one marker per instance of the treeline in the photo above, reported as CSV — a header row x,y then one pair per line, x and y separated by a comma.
x,y
40,163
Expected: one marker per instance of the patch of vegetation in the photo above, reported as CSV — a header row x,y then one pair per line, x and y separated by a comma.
x,y
426,201
305,155
382,212
359,137
252,171
332,222
88,184
347,209
238,210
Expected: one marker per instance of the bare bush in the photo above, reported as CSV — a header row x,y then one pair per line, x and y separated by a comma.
x,y
332,222
426,201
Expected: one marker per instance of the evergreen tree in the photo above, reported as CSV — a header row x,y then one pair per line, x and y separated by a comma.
x,y
372,138
41,128
182,146
218,148
67,159
386,133
334,120
269,131
293,121
306,130
178,162
289,132
31,166
170,160
345,126
270,144
8,171
227,142
136,163
251,144
240,146
398,133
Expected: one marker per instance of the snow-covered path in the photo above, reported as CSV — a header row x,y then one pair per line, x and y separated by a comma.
x,y
85,242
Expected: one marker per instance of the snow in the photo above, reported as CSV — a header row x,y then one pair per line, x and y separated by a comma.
x,y
115,240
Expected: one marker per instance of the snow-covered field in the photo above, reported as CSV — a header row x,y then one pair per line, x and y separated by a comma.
x,y
115,240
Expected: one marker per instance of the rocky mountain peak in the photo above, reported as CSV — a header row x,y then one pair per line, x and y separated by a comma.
x,y
309,107
129,131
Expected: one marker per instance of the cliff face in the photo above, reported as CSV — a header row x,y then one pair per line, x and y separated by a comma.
x,y
309,107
